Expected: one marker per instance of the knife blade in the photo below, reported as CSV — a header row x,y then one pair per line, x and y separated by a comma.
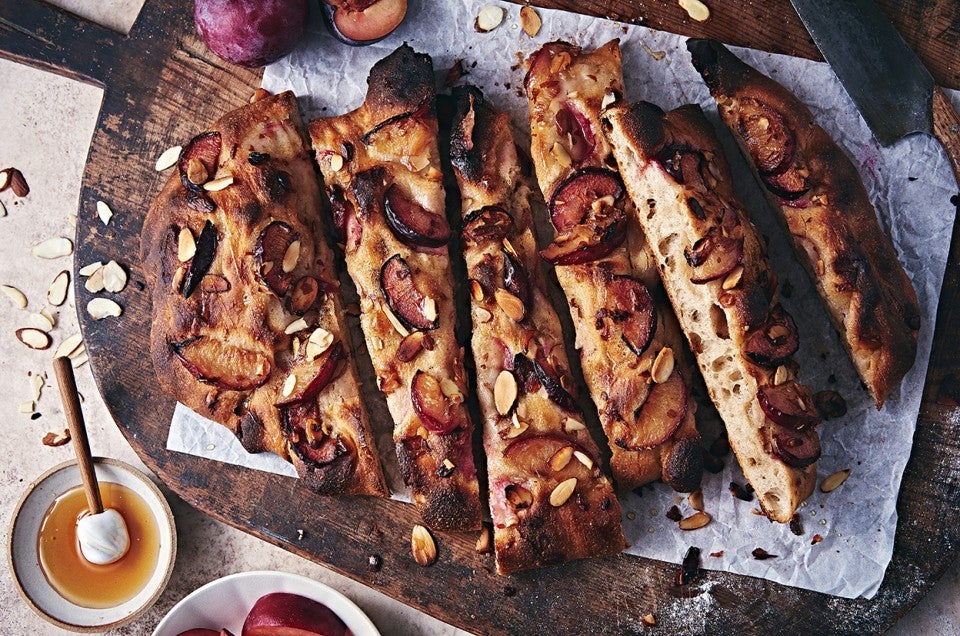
x,y
893,90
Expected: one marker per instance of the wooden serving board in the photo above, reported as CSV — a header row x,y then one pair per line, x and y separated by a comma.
x,y
162,84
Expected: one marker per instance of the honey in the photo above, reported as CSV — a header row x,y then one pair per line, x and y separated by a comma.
x,y
86,584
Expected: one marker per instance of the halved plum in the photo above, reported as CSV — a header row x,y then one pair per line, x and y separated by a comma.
x,y
437,412
574,199
412,223
575,130
659,416
403,297
221,364
683,163
775,341
362,22
789,405
602,232
532,454
491,223
714,256
630,306
314,376
206,248
204,148
796,448
271,247
769,140
515,278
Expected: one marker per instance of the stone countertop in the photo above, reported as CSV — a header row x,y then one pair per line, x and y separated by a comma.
x,y
48,121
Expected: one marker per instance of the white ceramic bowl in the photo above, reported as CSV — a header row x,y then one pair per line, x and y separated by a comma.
x,y
22,549
225,603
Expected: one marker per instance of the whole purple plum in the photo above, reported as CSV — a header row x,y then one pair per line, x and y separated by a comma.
x,y
250,32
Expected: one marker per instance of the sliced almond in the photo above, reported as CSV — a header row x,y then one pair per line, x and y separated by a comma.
x,y
561,155
27,406
695,499
484,541
88,270
489,18
318,342
561,458
584,459
423,546
649,620
834,481
695,521
483,316
53,248
289,385
69,345
696,10
104,212
57,292
517,428
168,158
510,304
609,99
79,361
336,162
34,338
476,290
530,21
15,295
662,365
733,278
100,308
18,183
218,184
196,171
416,163
186,245
403,331
781,375
429,308
411,346
450,389
5,178
291,257
49,316
36,386
79,351
562,492
504,392
94,282
114,277
570,425
297,325
778,331
41,322
57,439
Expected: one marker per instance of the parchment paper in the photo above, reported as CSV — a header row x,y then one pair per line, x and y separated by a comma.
x,y
910,184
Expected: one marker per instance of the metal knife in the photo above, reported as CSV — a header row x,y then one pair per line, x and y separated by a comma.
x,y
886,80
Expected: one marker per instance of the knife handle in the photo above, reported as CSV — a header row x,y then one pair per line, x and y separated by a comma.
x,y
946,128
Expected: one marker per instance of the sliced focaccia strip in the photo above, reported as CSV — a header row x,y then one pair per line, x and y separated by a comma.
x,y
247,324
630,346
715,270
380,163
824,206
549,499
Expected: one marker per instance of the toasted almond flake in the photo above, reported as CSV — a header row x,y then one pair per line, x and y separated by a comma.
x,y
94,282
186,245
196,171
530,21
336,162
53,248
41,322
57,292
484,541
79,351
733,278
609,99
516,429
584,459
781,375
561,155
562,492
476,290
114,277
695,500
423,546
79,361
218,184
100,308
318,342
36,386
50,317
509,249
449,465
289,385
69,345
834,481
34,338
489,18
649,620
291,257
778,331
429,308
450,389
571,424
561,458
695,521
297,325
168,158
415,163
696,10
510,304
403,331
26,406
58,438
483,316
5,178
104,212
88,270
15,295
662,365
505,392
18,183
295,345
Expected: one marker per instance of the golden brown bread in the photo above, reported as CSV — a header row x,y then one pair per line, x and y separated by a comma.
x,y
822,202
381,166
537,442
623,323
714,267
231,271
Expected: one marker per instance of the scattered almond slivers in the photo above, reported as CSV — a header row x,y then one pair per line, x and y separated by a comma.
x,y
69,346
423,546
104,212
504,392
114,277
336,162
834,481
662,366
695,521
88,270
696,10
100,308
289,385
562,492
584,459
291,257
34,338
57,292
530,21
695,499
168,158
218,184
53,248
94,283
186,245
484,542
510,304
41,321
15,295
297,325
318,342
561,458
56,439
489,18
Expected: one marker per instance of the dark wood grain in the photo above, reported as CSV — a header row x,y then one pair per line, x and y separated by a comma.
x,y
946,128
162,85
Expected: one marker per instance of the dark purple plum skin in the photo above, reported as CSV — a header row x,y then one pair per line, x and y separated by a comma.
x,y
250,33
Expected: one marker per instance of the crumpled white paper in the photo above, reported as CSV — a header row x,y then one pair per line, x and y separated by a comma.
x,y
910,184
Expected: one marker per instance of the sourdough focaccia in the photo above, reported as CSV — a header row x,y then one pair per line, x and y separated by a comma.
x,y
247,324
824,206
381,166
630,346
549,499
715,269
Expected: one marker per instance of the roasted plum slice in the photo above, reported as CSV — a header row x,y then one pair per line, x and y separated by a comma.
x,y
658,417
221,364
775,341
309,445
575,130
271,247
796,448
412,223
576,196
314,376
549,379
198,161
436,411
630,306
602,232
789,186
515,278
408,304
683,163
202,258
485,225
789,404
532,455
770,141
714,256
525,371
348,228
362,22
